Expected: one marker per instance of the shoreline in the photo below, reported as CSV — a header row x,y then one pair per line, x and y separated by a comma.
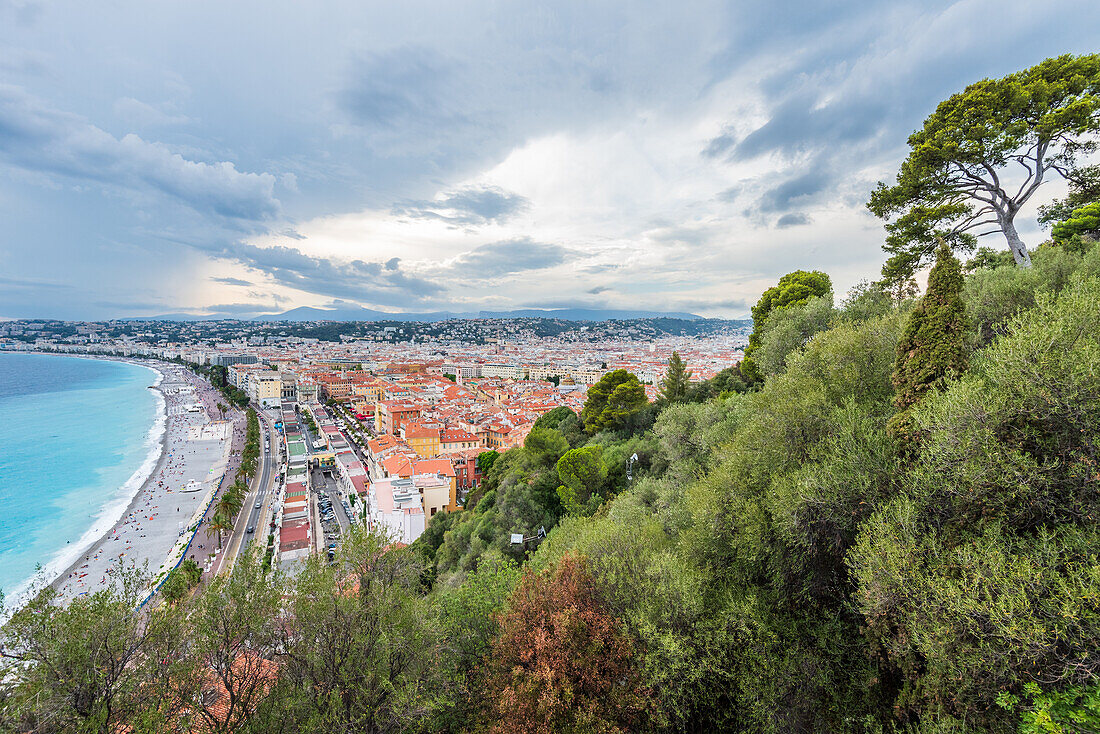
x,y
161,450
115,519
194,461
110,513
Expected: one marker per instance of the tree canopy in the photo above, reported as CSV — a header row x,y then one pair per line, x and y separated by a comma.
x,y
674,383
933,347
561,661
612,400
982,155
1082,221
791,290
581,474
1084,188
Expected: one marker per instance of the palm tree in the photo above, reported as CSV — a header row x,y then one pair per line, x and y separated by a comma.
x,y
230,503
221,409
239,488
219,523
247,467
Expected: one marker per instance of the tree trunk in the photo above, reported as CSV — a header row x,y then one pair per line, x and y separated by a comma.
x,y
1015,244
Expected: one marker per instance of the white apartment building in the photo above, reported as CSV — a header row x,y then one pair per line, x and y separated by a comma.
x,y
463,371
509,371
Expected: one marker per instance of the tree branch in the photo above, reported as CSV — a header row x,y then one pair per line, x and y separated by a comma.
x,y
1021,196
978,180
996,194
996,180
965,227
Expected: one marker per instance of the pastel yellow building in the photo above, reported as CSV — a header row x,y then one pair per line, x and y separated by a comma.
x,y
424,441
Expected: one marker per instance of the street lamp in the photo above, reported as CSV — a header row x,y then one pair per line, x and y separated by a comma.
x,y
630,467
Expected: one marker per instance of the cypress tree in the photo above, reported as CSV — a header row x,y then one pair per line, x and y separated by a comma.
x,y
674,385
933,347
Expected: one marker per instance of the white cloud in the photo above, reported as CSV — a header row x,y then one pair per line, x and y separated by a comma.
x,y
658,145
39,138
637,207
141,114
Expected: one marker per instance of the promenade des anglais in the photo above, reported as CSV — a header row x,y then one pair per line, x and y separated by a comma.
x,y
550,367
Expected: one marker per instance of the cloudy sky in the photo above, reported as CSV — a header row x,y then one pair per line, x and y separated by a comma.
x,y
242,157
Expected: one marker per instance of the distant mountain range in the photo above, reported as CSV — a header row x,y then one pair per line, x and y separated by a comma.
x,y
310,313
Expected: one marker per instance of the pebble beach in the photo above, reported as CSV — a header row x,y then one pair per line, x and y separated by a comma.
x,y
194,457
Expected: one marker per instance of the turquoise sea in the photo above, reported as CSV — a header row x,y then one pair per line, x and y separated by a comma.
x,y
78,437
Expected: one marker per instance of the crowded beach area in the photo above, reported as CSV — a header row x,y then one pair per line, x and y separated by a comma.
x,y
196,452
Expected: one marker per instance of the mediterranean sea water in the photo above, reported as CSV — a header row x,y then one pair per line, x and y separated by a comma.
x,y
78,437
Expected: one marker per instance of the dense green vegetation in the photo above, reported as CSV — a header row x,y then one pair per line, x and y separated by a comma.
x,y
778,563
890,527
932,350
181,580
219,378
793,289
250,455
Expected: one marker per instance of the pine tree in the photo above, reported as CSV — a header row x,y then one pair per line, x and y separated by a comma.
x,y
612,400
674,385
933,347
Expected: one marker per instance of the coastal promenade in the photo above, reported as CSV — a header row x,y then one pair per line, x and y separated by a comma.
x,y
257,507
196,453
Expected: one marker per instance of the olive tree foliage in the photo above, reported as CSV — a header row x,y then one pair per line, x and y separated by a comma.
x,y
468,620
233,641
718,565
995,294
1075,708
359,640
787,329
791,290
865,300
982,155
87,665
688,436
808,461
982,575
